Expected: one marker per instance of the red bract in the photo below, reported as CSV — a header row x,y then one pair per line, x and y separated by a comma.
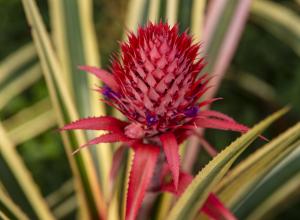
x,y
157,86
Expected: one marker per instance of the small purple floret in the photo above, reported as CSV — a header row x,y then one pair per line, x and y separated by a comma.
x,y
191,111
151,119
108,93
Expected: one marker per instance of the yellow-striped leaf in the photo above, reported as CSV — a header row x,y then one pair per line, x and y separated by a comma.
x,y
243,177
87,186
195,195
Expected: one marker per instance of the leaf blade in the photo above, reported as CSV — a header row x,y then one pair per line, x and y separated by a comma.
x,y
171,150
144,161
10,208
243,177
196,193
88,190
23,177
288,168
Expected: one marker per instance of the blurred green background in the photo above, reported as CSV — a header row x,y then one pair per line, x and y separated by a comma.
x,y
263,62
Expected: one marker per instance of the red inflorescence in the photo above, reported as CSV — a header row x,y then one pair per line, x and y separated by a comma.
x,y
157,86
157,77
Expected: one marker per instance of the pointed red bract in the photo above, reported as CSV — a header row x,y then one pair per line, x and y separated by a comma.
x,y
103,75
145,157
105,138
184,180
109,138
171,150
219,124
215,114
208,102
215,209
106,123
209,211
117,161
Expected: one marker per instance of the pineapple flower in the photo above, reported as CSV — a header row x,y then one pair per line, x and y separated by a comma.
x,y
156,84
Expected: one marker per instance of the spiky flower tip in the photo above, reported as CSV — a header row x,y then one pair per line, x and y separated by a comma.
x,y
157,77
157,86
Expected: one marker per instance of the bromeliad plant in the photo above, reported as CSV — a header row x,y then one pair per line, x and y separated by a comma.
x,y
159,85
156,84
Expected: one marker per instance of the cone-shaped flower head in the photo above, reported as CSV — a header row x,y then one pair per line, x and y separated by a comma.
x,y
156,83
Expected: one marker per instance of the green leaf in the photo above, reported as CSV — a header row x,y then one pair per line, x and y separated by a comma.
x,y
91,201
214,33
16,61
224,24
224,39
61,193
66,207
72,27
195,195
172,11
287,193
197,19
19,84
74,34
63,200
134,15
153,12
10,209
237,184
23,176
30,122
285,170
